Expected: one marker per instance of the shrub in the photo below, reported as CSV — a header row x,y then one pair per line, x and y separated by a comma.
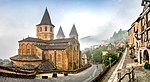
x,y
132,47
147,66
148,46
109,54
132,57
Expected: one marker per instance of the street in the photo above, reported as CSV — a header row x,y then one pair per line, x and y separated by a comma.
x,y
84,76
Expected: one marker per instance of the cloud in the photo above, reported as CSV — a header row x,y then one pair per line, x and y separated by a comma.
x,y
125,13
96,20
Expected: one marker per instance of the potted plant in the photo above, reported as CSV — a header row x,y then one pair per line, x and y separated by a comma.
x,y
148,46
135,60
132,47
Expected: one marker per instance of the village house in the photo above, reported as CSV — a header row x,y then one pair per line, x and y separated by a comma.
x,y
139,35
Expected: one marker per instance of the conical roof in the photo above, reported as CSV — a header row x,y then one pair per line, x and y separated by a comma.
x,y
73,31
60,33
46,19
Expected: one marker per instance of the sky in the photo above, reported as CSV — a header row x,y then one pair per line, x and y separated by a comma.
x,y
18,18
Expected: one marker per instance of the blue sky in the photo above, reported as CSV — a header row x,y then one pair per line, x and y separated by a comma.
x,y
18,18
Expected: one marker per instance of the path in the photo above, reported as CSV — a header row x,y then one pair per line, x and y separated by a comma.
x,y
113,77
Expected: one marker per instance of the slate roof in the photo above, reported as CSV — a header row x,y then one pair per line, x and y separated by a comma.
x,y
65,40
25,58
55,47
73,31
46,66
46,20
28,66
30,39
60,33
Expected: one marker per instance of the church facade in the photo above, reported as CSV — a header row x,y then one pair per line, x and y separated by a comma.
x,y
62,53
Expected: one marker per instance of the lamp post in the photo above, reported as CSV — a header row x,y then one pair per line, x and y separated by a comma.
x,y
110,61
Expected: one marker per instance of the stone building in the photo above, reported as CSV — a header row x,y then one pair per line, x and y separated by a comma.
x,y
139,34
62,53
84,59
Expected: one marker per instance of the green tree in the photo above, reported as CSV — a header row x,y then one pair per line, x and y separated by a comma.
x,y
88,54
97,55
120,50
111,55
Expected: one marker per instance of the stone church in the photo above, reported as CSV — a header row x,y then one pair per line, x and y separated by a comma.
x,y
61,53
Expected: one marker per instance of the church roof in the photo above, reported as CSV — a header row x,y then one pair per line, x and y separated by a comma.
x,y
46,20
31,39
25,58
60,33
55,47
47,66
65,40
28,66
73,31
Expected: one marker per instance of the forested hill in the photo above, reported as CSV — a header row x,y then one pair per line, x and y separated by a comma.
x,y
120,35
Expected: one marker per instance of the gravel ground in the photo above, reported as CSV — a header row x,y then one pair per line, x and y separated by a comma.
x,y
142,75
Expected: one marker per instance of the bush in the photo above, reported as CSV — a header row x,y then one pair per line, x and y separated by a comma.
x,y
109,54
120,49
132,57
132,47
147,66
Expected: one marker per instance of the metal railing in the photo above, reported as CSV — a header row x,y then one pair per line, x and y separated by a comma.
x,y
130,75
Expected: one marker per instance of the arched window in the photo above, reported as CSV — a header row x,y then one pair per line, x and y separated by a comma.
x,y
40,28
50,57
28,51
23,49
51,29
45,28
59,57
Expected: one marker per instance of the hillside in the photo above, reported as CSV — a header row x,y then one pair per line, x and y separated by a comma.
x,y
120,35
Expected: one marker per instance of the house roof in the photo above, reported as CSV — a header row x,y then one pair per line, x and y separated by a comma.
x,y
47,66
25,58
46,20
73,31
55,47
60,33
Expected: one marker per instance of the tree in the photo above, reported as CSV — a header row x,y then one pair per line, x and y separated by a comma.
x,y
111,55
88,54
120,50
97,55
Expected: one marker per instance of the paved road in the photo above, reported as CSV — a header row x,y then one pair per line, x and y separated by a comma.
x,y
113,77
84,76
